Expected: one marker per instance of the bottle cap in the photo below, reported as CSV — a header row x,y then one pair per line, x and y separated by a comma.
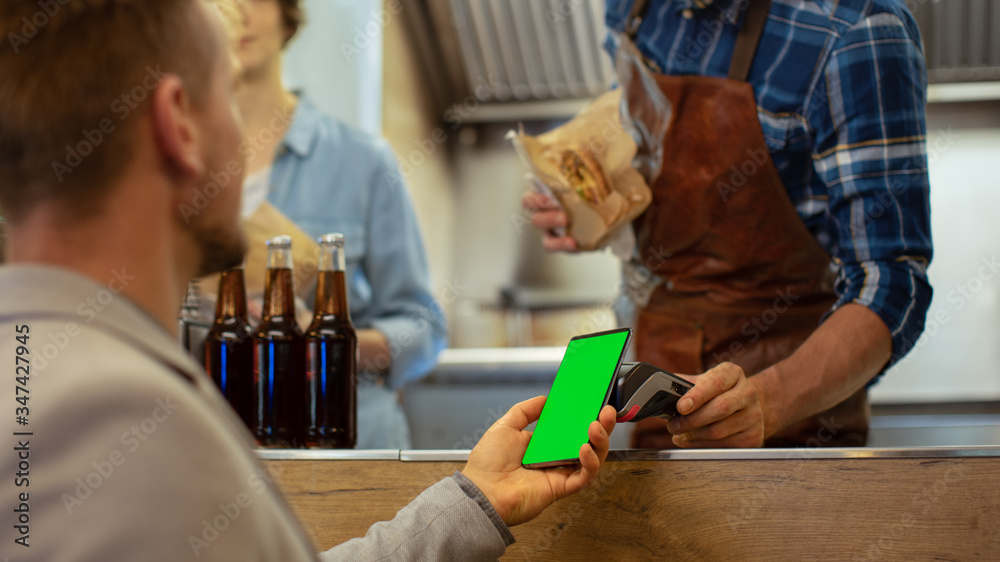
x,y
280,241
335,239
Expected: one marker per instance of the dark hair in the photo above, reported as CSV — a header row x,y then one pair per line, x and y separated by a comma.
x,y
74,74
292,16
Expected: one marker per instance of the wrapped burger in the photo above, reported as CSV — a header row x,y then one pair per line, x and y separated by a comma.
x,y
586,164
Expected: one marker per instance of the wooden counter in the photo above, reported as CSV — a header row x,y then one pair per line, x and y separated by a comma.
x,y
829,504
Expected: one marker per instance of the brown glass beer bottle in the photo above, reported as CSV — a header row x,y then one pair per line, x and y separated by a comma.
x,y
331,356
229,346
278,374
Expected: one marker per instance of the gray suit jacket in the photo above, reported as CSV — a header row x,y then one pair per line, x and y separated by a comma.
x,y
130,453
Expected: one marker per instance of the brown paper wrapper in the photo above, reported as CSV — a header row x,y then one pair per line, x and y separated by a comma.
x,y
597,132
268,222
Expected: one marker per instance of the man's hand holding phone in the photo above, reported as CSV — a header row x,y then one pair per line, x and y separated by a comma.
x,y
523,472
519,494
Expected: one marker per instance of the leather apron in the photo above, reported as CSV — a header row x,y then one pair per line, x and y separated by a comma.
x,y
742,278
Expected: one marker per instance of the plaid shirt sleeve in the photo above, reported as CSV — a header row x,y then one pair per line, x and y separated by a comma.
x,y
870,152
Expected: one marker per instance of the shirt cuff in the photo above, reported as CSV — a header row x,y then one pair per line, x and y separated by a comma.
x,y
477,495
414,345
897,292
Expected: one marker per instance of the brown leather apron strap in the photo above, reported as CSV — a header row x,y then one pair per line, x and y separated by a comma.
x,y
748,38
635,17
746,41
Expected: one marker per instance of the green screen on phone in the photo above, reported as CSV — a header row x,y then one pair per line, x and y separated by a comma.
x,y
578,393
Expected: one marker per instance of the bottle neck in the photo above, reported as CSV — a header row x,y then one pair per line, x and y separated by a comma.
x,y
279,297
331,257
232,301
331,285
279,257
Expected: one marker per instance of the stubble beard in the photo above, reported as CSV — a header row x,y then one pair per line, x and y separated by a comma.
x,y
218,233
220,241
222,246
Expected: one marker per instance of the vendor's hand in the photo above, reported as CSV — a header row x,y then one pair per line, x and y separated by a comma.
x,y
255,308
303,314
723,409
520,494
547,215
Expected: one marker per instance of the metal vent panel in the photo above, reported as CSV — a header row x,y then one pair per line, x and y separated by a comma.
x,y
961,38
501,60
532,50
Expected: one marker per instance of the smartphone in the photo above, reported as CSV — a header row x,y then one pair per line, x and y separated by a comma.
x,y
582,387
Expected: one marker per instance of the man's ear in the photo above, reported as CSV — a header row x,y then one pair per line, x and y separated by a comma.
x,y
177,133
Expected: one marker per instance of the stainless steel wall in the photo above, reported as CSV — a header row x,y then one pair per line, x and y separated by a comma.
x,y
958,357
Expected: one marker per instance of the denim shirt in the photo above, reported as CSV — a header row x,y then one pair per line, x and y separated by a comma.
x,y
328,177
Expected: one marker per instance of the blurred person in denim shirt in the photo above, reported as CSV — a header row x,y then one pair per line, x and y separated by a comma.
x,y
329,177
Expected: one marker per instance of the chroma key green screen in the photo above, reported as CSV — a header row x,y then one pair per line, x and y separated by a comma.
x,y
577,396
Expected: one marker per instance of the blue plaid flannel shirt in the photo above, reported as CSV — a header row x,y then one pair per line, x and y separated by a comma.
x,y
841,89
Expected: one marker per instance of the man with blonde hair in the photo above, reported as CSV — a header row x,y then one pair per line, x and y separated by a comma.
x,y
113,114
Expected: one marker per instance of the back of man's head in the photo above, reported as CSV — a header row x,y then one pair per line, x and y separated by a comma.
x,y
77,76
